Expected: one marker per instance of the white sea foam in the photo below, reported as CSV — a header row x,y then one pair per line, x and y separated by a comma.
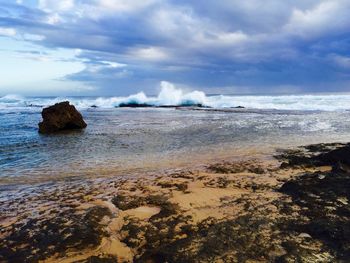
x,y
170,95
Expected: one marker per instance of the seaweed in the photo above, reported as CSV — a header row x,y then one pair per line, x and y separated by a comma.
x,y
236,167
326,218
37,240
99,259
129,202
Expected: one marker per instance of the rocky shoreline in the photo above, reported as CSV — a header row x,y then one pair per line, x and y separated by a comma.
x,y
294,208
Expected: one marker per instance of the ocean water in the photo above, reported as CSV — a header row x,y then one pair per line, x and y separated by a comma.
x,y
122,141
172,96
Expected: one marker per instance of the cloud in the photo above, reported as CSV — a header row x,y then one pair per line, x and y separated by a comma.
x,y
7,32
54,5
302,44
341,61
113,64
53,19
328,17
33,37
124,5
149,54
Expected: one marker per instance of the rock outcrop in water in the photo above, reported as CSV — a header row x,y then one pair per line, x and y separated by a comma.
x,y
145,105
59,117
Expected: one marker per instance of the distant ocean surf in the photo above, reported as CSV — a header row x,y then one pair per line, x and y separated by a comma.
x,y
171,96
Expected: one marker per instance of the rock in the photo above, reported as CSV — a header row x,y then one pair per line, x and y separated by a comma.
x,y
335,155
134,105
321,176
340,156
304,235
343,200
145,105
238,107
59,117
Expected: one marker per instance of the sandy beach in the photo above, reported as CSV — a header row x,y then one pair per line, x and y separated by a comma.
x,y
290,207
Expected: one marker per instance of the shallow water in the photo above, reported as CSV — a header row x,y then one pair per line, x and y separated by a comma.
x,y
121,141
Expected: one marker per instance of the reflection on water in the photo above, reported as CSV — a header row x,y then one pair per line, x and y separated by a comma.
x,y
120,140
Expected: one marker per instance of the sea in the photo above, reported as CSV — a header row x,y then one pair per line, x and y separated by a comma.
x,y
170,133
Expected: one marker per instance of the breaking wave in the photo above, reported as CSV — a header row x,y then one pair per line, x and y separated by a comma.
x,y
172,96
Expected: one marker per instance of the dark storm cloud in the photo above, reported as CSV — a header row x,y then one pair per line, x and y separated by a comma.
x,y
260,46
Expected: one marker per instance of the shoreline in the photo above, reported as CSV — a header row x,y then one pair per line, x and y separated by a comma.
x,y
247,210
196,160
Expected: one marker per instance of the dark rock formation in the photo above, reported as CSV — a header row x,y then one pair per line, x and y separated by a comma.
x,y
48,237
134,105
145,105
323,198
336,155
59,117
238,107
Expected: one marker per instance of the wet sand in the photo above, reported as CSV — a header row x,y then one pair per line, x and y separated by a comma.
x,y
256,209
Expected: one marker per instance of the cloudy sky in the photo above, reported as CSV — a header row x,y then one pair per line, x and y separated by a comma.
x,y
119,47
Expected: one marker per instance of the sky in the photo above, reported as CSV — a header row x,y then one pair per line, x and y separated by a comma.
x,y
119,47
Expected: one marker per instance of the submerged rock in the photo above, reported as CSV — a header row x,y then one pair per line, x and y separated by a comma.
x,y
134,105
59,117
238,107
145,105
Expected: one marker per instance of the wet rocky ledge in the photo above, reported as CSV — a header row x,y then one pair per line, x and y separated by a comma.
x,y
293,208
